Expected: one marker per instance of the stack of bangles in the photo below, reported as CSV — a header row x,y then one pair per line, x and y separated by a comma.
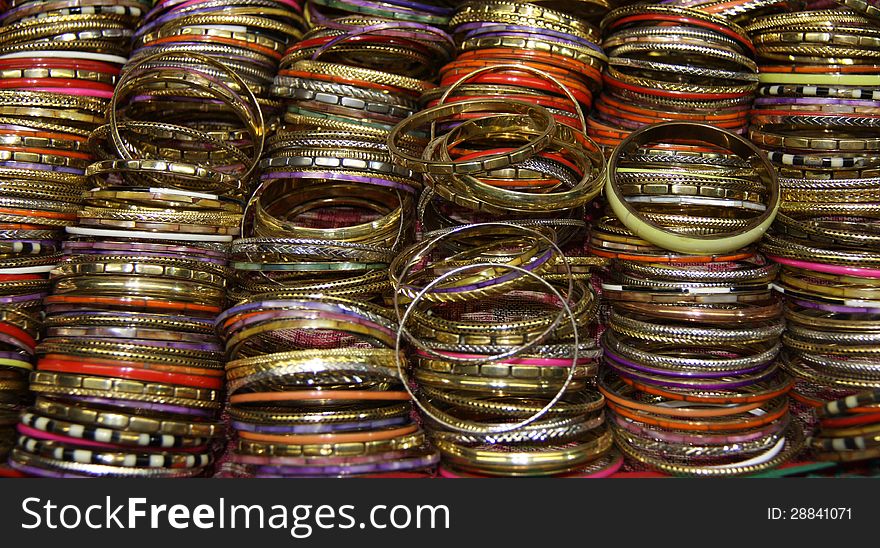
x,y
690,369
130,373
248,36
525,53
501,331
313,387
668,63
59,62
817,116
537,55
848,429
500,159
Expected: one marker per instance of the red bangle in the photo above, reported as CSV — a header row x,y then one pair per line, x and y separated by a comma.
x,y
49,62
652,17
21,277
472,64
557,103
580,92
26,83
146,375
19,335
181,369
45,135
575,67
854,420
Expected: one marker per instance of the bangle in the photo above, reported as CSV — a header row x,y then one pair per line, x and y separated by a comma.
x,y
663,237
545,461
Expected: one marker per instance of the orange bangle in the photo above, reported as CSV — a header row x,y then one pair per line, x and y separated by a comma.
x,y
673,258
39,214
701,426
677,412
336,437
134,302
696,398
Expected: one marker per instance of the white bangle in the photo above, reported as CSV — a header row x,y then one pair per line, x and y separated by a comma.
x,y
142,235
67,55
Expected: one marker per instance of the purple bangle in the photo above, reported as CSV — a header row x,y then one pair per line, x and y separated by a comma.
x,y
23,298
320,427
203,347
412,6
625,372
334,176
833,307
712,374
281,306
762,101
709,439
417,461
144,406
307,314
318,19
43,167
12,341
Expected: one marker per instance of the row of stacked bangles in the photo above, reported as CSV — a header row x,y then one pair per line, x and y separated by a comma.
x,y
439,238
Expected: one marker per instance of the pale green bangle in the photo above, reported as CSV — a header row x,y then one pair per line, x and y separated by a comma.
x,y
704,244
809,79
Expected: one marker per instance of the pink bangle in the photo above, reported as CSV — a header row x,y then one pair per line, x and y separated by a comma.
x,y
828,268
612,468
